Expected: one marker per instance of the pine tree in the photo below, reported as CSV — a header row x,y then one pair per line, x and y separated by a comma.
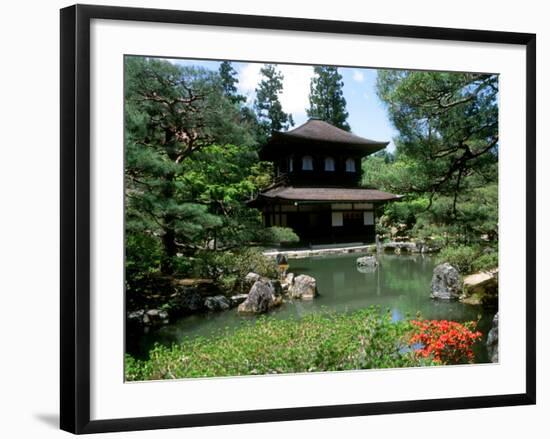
x,y
172,114
267,105
229,81
326,97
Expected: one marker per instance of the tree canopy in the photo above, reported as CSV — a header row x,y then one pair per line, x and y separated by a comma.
x,y
446,156
326,97
267,104
229,81
184,135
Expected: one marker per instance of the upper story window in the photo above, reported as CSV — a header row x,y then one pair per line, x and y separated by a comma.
x,y
329,164
307,163
350,165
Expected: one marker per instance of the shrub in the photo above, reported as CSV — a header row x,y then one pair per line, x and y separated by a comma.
x,y
444,341
486,261
364,339
228,268
461,257
280,235
469,259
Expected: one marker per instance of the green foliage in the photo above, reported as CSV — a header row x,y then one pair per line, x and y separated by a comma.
x,y
488,260
461,257
366,339
446,158
228,76
326,97
191,164
280,235
469,259
267,104
142,260
229,268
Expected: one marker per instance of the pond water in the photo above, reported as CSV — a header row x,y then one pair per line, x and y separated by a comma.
x,y
401,284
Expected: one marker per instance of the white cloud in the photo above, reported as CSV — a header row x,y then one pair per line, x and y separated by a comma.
x,y
249,76
295,95
358,76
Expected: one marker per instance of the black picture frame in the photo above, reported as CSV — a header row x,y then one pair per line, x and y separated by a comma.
x,y
75,217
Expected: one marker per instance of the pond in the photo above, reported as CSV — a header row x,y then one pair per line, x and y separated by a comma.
x,y
401,284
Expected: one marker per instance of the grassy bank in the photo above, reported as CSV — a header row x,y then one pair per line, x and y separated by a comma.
x,y
364,339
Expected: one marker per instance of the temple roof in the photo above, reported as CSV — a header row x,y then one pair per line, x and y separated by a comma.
x,y
321,133
325,194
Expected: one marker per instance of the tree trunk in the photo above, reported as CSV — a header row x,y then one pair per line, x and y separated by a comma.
x,y
170,249
169,236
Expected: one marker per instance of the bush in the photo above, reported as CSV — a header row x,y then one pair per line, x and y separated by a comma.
x,y
444,341
365,339
280,235
469,259
461,257
228,268
486,261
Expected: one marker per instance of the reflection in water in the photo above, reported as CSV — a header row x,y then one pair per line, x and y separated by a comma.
x,y
401,284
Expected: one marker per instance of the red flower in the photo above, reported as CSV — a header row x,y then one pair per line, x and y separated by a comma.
x,y
445,341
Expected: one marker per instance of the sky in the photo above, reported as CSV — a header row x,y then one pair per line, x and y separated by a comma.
x,y
367,115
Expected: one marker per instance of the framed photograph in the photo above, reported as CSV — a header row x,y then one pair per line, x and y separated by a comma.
x,y
274,218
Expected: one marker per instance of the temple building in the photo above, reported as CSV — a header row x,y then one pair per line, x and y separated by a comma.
x,y
317,188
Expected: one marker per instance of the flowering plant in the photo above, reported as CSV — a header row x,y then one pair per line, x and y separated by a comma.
x,y
446,342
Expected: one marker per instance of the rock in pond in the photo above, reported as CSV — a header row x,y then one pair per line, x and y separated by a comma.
x,y
303,287
480,288
237,299
156,317
492,341
367,264
191,301
135,318
287,282
261,298
150,318
217,303
251,277
446,283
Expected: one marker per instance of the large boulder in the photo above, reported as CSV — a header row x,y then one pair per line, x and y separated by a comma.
x,y
261,298
303,287
237,299
287,282
217,303
243,287
135,318
480,288
146,319
492,341
446,283
156,317
367,264
191,301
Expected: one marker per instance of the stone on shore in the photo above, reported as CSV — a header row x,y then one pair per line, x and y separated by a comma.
x,y
150,318
287,282
492,341
446,282
480,288
261,298
217,303
304,287
237,299
191,301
